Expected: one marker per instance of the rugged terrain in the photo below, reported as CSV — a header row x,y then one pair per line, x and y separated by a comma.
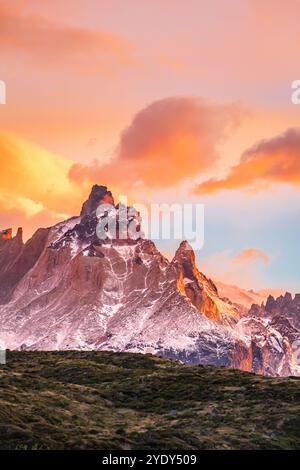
x,y
105,400
243,297
67,289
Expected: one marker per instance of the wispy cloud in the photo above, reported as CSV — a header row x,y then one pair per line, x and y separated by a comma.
x,y
50,43
249,255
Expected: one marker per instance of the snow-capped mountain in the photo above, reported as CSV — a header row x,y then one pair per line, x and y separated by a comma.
x,y
67,289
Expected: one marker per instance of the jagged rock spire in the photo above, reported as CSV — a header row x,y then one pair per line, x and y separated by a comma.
x,y
19,234
98,194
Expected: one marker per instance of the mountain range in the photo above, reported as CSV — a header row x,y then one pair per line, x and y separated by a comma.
x,y
66,289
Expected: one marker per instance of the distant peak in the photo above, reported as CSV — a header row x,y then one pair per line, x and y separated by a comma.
x,y
288,297
279,302
185,251
184,245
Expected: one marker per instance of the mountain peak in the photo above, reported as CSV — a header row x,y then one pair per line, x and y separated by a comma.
x,y
19,234
99,194
185,246
279,302
270,304
185,252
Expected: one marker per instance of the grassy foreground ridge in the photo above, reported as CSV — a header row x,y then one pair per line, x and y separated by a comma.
x,y
105,400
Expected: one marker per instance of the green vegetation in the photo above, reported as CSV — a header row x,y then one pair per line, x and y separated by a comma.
x,y
104,400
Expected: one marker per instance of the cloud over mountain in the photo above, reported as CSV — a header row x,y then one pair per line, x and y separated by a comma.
x,y
168,141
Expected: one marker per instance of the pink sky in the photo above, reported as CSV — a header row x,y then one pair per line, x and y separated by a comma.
x,y
81,74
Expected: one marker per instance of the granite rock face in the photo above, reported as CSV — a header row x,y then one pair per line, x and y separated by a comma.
x,y
274,329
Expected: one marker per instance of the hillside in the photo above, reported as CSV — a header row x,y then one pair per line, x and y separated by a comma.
x,y
105,400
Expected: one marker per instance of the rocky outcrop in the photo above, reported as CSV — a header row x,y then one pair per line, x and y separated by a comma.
x,y
16,260
5,234
274,328
200,290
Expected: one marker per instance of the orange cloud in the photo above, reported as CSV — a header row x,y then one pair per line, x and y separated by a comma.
x,y
51,43
34,185
249,255
168,141
276,160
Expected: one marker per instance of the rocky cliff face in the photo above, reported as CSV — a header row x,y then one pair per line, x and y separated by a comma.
x,y
201,292
5,234
274,328
17,258
68,289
